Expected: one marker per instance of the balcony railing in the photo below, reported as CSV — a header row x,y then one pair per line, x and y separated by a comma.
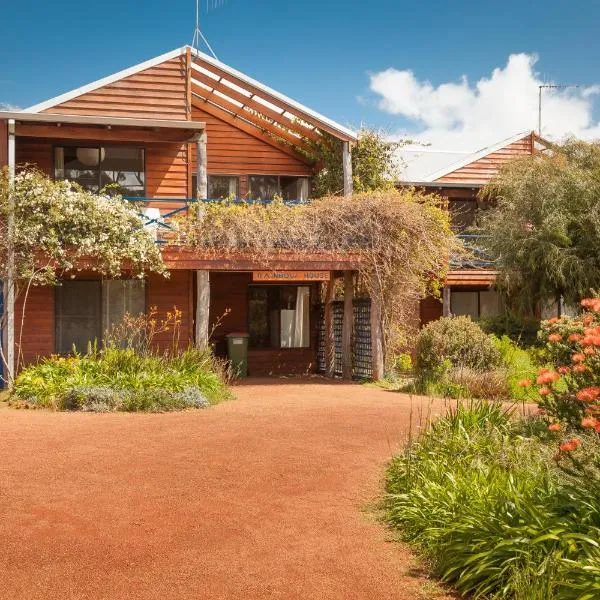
x,y
478,258
159,214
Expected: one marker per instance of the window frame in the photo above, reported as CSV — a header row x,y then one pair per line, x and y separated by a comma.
x,y
278,177
100,146
477,291
209,175
280,286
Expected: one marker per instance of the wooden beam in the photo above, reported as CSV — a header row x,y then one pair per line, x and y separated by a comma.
x,y
329,331
347,169
244,126
347,325
202,308
261,124
377,358
115,134
446,302
272,99
255,105
201,168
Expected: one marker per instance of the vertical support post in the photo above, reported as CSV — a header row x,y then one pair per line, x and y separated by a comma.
x,y
347,168
329,332
377,359
9,284
202,308
202,277
347,325
446,312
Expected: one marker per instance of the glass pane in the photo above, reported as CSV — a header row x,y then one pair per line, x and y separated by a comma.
x,y
77,315
120,297
490,303
263,187
263,310
122,169
464,303
78,164
222,186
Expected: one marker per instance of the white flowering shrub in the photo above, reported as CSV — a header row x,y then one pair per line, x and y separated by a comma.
x,y
60,227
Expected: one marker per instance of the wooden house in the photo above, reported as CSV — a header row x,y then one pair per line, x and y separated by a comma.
x,y
459,177
178,123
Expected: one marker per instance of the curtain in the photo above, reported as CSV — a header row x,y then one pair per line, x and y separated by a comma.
x,y
301,320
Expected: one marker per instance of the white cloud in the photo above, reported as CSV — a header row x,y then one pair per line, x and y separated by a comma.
x,y
464,116
8,106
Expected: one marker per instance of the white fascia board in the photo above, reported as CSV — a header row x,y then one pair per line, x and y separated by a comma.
x,y
105,81
267,90
476,156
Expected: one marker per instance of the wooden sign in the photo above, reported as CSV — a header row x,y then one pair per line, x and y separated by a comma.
x,y
291,276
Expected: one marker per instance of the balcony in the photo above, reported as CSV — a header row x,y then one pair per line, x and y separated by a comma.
x,y
159,215
477,258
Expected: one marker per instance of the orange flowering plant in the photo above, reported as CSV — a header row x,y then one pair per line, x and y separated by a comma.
x,y
569,389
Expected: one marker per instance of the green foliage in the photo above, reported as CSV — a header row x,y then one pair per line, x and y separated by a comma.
x,y
521,330
453,343
543,227
374,163
492,512
122,379
570,389
518,364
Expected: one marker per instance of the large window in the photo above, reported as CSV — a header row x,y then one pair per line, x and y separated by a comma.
x,y
219,187
85,310
266,187
475,303
279,316
114,168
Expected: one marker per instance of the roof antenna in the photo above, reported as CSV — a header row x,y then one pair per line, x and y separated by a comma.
x,y
198,35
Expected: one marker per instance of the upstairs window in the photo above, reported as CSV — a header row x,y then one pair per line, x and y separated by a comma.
x,y
290,188
95,168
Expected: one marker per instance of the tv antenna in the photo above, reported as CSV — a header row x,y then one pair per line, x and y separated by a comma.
x,y
198,35
549,87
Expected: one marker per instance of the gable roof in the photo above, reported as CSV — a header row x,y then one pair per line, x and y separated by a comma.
x,y
228,88
470,168
419,163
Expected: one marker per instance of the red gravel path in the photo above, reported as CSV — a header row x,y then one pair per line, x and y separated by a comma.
x,y
260,497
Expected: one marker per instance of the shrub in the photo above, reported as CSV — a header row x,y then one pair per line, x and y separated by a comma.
x,y
518,364
570,389
491,385
521,330
122,379
493,513
453,342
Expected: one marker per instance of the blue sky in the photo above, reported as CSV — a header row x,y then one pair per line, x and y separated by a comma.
x,y
348,60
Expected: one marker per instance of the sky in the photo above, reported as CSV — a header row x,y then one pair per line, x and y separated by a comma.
x,y
457,75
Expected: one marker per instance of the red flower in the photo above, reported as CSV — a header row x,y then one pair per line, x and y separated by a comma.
x,y
570,445
574,337
552,321
588,394
548,377
580,368
524,383
589,350
544,391
554,337
591,303
564,370
554,427
589,422
578,357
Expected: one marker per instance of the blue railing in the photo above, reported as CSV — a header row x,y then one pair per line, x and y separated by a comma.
x,y
160,211
478,259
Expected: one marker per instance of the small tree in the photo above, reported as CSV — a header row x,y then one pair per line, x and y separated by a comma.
x,y
49,228
375,163
543,227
